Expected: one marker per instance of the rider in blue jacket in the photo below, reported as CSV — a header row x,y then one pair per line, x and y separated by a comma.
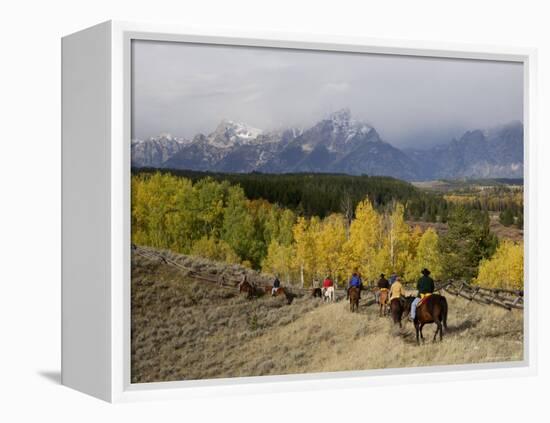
x,y
355,282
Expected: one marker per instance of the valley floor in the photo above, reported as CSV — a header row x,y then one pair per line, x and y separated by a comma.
x,y
183,328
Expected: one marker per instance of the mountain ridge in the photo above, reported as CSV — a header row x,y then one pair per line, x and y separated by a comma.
x,y
336,144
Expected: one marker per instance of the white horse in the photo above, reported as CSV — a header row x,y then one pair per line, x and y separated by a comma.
x,y
328,294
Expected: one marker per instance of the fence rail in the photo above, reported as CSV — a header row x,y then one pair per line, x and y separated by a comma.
x,y
505,298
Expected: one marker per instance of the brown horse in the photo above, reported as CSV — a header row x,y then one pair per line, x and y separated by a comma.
x,y
383,301
433,309
353,294
278,292
397,308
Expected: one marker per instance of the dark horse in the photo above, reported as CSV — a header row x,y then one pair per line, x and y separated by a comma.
x,y
397,308
353,298
317,293
432,310
250,289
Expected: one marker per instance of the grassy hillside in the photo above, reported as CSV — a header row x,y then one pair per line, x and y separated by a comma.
x,y
183,328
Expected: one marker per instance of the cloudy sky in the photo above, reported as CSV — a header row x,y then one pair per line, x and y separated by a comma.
x,y
184,89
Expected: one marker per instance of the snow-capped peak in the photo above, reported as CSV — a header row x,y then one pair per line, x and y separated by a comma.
x,y
343,124
230,133
341,116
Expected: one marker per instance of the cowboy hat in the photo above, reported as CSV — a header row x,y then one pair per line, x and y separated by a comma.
x,y
425,272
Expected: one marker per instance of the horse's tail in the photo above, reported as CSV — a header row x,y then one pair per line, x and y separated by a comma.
x,y
444,311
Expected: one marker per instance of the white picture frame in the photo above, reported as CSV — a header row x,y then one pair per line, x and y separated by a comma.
x,y
96,123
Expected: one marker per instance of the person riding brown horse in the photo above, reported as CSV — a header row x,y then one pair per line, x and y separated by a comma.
x,y
355,282
383,290
277,291
433,309
425,287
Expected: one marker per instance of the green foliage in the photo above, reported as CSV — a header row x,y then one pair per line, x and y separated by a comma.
x,y
215,219
467,241
213,249
324,194
506,217
209,218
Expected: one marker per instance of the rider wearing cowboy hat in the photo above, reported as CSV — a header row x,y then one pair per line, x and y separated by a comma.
x,y
425,287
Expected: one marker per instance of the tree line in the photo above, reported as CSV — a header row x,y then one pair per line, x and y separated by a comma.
x,y
216,219
321,194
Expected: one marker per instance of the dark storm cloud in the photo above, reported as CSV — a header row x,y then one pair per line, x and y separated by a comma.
x,y
184,89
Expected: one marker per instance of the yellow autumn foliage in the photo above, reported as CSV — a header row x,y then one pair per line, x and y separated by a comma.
x,y
504,269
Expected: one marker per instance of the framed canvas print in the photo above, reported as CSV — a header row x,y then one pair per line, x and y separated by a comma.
x,y
262,212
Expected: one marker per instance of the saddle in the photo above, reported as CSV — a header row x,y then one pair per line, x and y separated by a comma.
x,y
423,299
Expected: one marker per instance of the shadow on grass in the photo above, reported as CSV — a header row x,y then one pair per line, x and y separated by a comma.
x,y
408,332
462,326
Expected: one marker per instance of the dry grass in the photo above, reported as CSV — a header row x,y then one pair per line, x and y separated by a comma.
x,y
186,329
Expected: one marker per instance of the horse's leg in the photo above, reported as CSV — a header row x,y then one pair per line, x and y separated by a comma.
x,y
421,334
438,324
417,332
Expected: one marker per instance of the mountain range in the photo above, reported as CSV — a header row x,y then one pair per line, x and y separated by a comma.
x,y
336,144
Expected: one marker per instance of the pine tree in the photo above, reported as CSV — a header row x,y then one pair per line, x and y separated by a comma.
x,y
467,241
506,217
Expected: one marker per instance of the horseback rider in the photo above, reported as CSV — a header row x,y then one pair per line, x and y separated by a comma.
x,y
276,285
355,282
327,283
383,282
425,287
396,289
393,278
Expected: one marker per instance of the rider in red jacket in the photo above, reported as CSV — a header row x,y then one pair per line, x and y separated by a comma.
x,y
327,282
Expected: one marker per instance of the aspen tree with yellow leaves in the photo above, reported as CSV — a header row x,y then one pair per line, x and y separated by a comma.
x,y
305,248
359,251
504,269
279,260
330,240
427,256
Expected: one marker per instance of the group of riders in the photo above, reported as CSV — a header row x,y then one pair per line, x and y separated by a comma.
x,y
389,289
392,288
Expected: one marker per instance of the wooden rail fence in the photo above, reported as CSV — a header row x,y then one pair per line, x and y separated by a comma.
x,y
505,298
